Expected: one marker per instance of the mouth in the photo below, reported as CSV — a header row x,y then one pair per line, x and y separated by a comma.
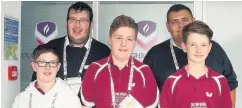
x,y
47,73
77,31
122,50
198,56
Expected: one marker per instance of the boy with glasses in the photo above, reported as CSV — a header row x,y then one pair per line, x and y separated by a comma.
x,y
46,91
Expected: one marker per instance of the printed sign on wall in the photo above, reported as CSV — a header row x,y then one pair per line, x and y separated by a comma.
x,y
148,36
11,29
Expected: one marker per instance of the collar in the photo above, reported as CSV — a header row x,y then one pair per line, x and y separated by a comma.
x,y
186,74
87,44
111,61
39,89
174,44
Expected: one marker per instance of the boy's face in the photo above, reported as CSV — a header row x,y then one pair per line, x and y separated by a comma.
x,y
197,47
122,42
46,66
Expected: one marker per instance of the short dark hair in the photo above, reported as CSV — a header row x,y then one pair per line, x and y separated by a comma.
x,y
196,27
123,21
81,6
42,49
176,8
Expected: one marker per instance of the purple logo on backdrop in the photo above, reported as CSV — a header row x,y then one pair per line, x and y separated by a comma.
x,y
147,34
45,31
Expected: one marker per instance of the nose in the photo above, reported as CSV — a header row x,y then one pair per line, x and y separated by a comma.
x,y
181,24
123,43
47,66
198,49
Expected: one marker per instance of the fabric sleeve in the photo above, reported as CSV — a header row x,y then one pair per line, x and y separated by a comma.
x,y
75,102
225,99
88,86
166,95
151,93
15,103
228,71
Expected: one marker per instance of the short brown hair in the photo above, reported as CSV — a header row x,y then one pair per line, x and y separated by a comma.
x,y
42,49
197,27
123,21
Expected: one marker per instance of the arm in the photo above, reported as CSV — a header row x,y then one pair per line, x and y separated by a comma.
x,y
15,103
166,95
225,99
233,97
150,97
87,89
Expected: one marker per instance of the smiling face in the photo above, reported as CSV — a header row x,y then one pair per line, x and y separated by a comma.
x,y
176,21
46,72
122,43
197,47
78,26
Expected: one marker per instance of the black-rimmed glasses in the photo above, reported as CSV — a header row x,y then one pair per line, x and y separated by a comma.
x,y
44,63
82,20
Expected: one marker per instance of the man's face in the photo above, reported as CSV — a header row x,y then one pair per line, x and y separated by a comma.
x,y
122,43
78,26
197,47
46,67
176,21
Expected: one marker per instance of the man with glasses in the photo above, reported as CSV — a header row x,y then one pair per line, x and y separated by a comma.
x,y
167,57
47,91
78,49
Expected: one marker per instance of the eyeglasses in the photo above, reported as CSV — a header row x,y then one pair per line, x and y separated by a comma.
x,y
44,63
82,20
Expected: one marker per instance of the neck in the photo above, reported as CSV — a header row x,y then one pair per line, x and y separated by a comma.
x,y
46,86
120,63
197,69
77,45
178,44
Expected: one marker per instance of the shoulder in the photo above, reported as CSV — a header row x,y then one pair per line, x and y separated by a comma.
x,y
57,41
161,47
216,48
139,65
99,63
175,76
64,88
24,95
99,45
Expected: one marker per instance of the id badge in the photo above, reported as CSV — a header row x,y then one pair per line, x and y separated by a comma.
x,y
130,102
74,83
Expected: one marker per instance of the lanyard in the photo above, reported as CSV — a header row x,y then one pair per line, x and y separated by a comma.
x,y
173,55
52,104
112,83
83,61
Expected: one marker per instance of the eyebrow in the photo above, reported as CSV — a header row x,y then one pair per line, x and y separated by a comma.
x,y
47,61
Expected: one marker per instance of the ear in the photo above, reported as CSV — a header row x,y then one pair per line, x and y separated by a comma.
x,y
92,24
210,46
167,27
184,47
34,66
109,40
193,19
58,66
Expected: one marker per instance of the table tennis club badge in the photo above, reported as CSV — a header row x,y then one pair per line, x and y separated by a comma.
x,y
147,34
45,31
